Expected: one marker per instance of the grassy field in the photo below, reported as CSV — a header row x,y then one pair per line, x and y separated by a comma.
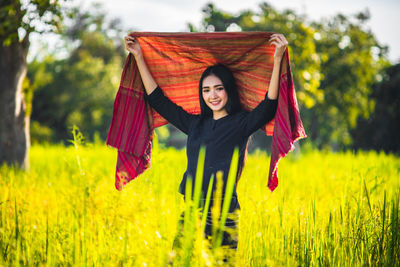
x,y
330,209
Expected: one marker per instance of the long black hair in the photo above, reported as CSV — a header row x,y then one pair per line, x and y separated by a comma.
x,y
226,76
232,105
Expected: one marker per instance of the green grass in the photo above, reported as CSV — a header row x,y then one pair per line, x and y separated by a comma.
x,y
330,209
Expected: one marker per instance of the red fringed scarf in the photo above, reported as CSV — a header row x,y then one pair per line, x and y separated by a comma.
x,y
176,61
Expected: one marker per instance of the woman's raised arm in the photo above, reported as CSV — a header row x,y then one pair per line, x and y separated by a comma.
x,y
280,46
265,111
161,103
133,46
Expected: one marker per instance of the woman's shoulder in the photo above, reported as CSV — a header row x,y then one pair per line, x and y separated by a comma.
x,y
242,113
241,118
195,119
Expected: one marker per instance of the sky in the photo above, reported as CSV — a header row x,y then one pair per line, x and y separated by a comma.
x,y
173,15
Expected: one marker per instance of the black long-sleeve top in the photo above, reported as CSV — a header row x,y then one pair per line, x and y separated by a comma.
x,y
220,137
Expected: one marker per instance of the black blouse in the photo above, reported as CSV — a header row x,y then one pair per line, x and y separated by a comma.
x,y
220,137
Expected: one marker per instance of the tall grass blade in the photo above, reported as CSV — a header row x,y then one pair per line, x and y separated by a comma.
x,y
188,225
368,198
17,234
85,232
382,238
228,194
77,141
47,237
207,204
216,208
393,254
199,178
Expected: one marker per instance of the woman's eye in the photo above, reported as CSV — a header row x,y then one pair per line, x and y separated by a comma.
x,y
220,88
206,90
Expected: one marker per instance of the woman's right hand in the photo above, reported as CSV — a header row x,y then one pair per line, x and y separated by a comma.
x,y
280,43
133,46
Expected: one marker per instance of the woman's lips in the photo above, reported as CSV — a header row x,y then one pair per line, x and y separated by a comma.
x,y
215,103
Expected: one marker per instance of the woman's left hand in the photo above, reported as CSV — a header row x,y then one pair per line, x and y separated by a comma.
x,y
280,43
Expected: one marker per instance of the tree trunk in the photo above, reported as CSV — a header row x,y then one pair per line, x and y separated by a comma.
x,y
14,123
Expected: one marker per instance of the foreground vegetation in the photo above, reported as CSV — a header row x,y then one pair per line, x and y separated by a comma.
x,y
331,209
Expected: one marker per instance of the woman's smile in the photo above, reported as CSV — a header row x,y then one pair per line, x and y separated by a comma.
x,y
215,102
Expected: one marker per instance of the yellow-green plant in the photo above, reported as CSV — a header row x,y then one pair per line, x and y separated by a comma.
x,y
330,209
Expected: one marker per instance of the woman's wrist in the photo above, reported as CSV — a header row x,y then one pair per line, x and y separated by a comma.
x,y
138,57
278,60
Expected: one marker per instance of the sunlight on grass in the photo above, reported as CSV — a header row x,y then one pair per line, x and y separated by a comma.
x,y
338,209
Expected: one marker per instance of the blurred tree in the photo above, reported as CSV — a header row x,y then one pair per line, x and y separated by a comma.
x,y
80,88
18,19
381,130
352,59
334,65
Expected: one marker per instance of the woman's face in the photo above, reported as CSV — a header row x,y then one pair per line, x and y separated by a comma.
x,y
214,94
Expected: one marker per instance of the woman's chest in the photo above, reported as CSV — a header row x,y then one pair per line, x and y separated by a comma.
x,y
215,134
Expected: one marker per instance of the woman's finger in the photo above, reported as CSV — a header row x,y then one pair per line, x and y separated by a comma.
x,y
276,38
274,43
273,40
129,38
281,38
283,41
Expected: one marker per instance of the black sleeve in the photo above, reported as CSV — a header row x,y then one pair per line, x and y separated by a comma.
x,y
169,110
262,114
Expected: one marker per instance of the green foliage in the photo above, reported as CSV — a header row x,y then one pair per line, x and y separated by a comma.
x,y
78,138
40,133
28,94
350,65
162,133
28,16
381,130
79,89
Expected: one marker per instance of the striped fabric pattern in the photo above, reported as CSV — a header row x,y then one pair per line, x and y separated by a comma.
x,y
176,61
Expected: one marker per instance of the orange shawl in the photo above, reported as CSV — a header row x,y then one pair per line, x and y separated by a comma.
x,y
176,61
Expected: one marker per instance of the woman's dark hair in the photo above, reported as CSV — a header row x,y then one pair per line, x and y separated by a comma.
x,y
226,76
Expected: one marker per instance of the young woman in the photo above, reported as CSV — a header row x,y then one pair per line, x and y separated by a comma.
x,y
222,125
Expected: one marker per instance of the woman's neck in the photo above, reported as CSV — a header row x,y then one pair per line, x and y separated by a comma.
x,y
219,114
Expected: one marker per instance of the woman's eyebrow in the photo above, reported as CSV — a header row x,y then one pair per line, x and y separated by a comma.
x,y
214,86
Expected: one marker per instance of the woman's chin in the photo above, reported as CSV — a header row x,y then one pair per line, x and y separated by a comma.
x,y
216,108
